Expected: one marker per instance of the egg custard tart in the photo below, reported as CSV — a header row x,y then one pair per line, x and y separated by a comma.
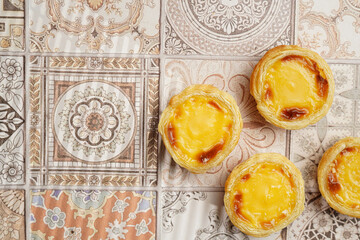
x,y
200,127
264,194
293,87
339,176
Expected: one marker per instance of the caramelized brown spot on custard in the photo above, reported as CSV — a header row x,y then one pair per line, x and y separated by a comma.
x,y
322,86
204,157
293,113
333,183
347,150
215,105
245,177
171,135
238,205
268,94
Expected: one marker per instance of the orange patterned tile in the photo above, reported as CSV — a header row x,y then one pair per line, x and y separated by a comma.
x,y
93,214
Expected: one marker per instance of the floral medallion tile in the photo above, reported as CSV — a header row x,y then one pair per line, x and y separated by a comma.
x,y
12,130
319,221
203,216
257,135
92,110
226,27
120,26
12,25
12,215
92,214
333,31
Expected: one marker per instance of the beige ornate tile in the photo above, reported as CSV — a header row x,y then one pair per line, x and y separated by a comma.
x,y
87,121
319,221
12,215
200,216
257,135
126,26
12,36
332,28
12,118
245,28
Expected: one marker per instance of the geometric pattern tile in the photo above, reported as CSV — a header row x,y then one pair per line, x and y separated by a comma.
x,y
320,221
80,214
88,123
12,118
203,216
124,26
257,135
12,37
242,28
309,144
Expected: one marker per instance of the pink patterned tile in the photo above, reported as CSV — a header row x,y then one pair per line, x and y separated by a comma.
x,y
92,214
332,28
257,135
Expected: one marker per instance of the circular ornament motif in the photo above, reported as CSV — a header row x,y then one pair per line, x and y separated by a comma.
x,y
94,123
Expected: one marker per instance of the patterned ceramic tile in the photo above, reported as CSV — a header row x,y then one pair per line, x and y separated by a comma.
x,y
332,28
309,144
246,28
319,221
257,135
116,26
342,111
12,25
92,214
199,216
12,214
93,121
12,117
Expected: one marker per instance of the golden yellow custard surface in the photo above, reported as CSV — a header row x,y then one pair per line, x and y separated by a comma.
x,y
200,128
294,87
344,177
264,196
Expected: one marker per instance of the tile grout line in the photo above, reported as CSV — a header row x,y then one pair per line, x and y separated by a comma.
x,y
27,120
296,20
160,154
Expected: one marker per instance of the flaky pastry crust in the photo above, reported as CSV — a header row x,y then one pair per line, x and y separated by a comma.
x,y
244,168
259,75
218,95
325,167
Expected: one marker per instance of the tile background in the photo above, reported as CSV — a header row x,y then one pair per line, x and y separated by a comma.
x,y
145,51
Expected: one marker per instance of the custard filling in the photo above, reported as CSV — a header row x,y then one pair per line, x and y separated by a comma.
x,y
294,87
344,177
200,128
264,196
